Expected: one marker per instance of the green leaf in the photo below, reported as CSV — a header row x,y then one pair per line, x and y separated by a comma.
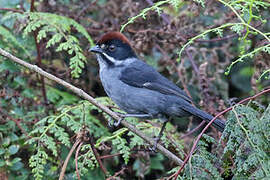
x,y
15,160
2,163
6,142
20,80
10,66
55,39
13,137
2,151
156,162
13,149
17,166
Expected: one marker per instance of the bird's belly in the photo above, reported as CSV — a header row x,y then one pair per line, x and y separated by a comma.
x,y
114,88
135,100
131,99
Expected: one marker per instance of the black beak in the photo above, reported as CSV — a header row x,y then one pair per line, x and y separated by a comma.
x,y
96,49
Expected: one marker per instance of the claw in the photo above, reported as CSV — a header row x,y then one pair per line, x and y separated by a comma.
x,y
116,123
157,139
154,147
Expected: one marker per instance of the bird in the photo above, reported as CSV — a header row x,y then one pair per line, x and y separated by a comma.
x,y
138,88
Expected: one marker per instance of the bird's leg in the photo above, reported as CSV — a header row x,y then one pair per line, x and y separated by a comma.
x,y
138,115
116,123
157,139
123,116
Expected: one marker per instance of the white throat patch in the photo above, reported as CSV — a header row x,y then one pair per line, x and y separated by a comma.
x,y
103,64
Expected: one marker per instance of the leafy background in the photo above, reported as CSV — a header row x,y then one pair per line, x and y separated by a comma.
x,y
193,43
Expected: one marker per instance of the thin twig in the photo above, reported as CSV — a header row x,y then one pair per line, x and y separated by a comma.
x,y
32,7
62,174
217,39
17,122
109,156
206,127
76,160
97,156
193,64
163,16
84,9
193,130
38,58
224,38
93,101
116,174
12,10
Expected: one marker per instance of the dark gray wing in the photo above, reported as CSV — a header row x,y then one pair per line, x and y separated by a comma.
x,y
141,75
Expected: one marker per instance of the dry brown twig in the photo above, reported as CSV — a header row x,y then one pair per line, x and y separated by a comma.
x,y
62,174
117,174
97,156
76,160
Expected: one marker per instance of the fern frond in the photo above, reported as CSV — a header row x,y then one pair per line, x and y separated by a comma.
x,y
60,27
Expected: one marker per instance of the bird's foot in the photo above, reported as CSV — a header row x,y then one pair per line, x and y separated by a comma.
x,y
122,116
153,148
157,139
115,123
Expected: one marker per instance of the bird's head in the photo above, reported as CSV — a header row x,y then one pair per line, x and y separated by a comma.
x,y
113,48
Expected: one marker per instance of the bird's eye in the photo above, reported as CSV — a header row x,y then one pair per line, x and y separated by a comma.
x,y
112,48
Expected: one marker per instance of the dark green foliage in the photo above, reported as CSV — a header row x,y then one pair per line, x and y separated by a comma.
x,y
248,134
60,27
246,154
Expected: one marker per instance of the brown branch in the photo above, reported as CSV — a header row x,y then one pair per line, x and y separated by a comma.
x,y
116,174
80,138
62,174
206,127
76,160
97,156
193,64
32,7
193,130
13,10
109,156
93,101
38,59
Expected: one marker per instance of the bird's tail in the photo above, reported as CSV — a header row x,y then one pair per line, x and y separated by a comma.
x,y
218,123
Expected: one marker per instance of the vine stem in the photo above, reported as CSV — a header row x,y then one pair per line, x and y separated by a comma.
x,y
224,26
143,13
240,59
215,29
235,12
206,127
265,72
54,121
